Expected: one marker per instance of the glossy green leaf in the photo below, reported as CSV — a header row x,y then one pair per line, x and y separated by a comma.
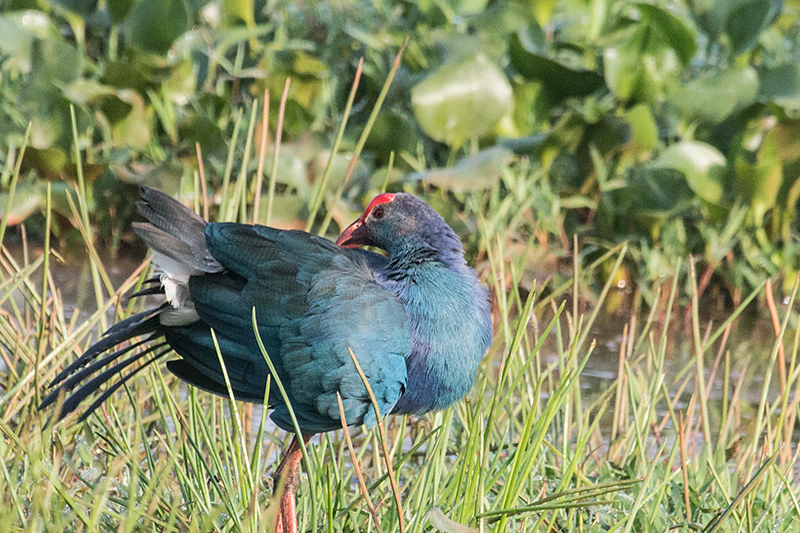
x,y
713,98
134,130
557,79
658,191
239,10
702,165
200,129
461,101
676,32
119,9
780,85
641,65
643,126
27,200
153,25
81,7
759,184
17,33
54,61
48,162
475,172
747,21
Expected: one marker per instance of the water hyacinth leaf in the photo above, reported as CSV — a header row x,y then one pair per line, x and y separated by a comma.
x,y
54,61
641,65
392,132
780,85
478,171
560,81
644,131
759,184
81,7
676,32
84,91
153,25
288,211
119,9
48,162
747,20
200,129
134,130
711,15
17,33
702,165
658,190
714,98
27,200
239,10
461,101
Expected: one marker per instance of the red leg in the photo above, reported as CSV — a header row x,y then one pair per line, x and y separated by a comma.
x,y
286,479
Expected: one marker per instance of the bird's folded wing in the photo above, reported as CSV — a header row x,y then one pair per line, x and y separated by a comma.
x,y
314,302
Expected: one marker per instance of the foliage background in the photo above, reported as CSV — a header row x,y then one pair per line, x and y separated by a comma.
x,y
670,124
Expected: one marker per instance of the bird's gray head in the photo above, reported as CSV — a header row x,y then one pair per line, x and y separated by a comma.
x,y
402,224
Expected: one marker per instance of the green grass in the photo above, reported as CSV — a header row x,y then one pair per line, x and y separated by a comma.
x,y
528,450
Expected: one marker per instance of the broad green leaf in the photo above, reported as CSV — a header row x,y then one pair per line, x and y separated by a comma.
x,y
643,126
119,9
81,7
676,32
780,85
478,171
55,61
17,33
84,91
153,25
747,20
702,165
713,98
48,162
461,101
641,65
288,211
393,132
711,15
236,10
200,129
658,191
135,129
27,200
759,184
557,79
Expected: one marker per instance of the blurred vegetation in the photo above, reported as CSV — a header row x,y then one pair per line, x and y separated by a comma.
x,y
671,124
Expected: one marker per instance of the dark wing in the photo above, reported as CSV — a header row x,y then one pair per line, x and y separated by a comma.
x,y
313,301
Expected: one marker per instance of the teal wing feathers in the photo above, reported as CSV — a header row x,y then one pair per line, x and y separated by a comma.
x,y
313,301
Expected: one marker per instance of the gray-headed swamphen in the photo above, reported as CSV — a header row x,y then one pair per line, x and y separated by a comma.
x,y
418,321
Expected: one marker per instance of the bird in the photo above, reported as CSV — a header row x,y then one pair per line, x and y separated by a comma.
x,y
416,319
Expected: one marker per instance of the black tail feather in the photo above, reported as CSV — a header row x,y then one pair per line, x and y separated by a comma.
x,y
147,292
72,381
113,388
72,401
134,326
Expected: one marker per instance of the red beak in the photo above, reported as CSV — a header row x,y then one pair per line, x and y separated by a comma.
x,y
354,235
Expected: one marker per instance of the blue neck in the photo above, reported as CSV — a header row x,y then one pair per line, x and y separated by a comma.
x,y
450,325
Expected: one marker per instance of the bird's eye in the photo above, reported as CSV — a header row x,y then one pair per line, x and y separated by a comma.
x,y
377,212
